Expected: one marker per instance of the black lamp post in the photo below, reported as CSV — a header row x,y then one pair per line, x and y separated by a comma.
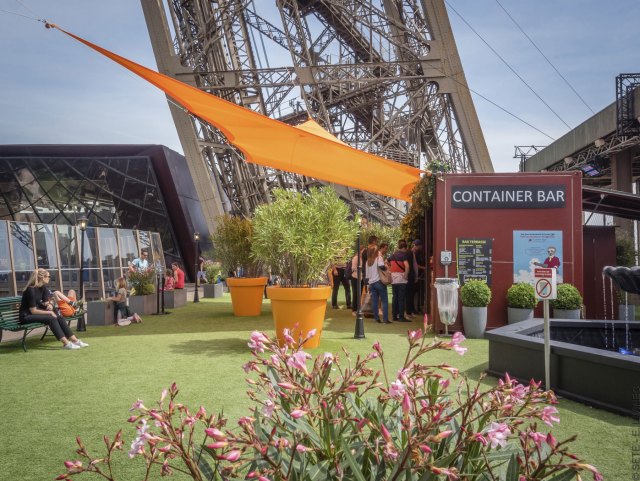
x,y
359,332
82,225
196,238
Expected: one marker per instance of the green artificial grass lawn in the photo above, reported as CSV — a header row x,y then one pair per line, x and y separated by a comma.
x,y
49,396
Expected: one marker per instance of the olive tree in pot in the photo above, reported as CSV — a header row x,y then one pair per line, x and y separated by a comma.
x,y
475,297
568,302
299,236
521,301
232,242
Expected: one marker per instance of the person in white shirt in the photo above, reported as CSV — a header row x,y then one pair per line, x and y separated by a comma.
x,y
377,289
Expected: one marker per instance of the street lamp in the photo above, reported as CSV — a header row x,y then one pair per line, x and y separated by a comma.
x,y
359,332
196,238
82,225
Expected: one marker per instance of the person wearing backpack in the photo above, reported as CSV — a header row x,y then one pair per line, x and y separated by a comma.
x,y
399,265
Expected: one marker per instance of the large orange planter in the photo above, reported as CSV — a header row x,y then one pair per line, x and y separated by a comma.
x,y
246,295
299,309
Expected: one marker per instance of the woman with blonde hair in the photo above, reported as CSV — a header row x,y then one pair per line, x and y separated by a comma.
x,y
37,306
122,313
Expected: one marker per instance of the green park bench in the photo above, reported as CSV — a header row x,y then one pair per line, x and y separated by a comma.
x,y
10,320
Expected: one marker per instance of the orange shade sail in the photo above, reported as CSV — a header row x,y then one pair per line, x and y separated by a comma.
x,y
306,150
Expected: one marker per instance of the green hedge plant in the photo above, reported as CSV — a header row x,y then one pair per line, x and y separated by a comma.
x,y
569,298
475,294
521,296
232,242
299,235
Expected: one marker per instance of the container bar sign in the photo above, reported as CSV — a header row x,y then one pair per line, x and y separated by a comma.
x,y
545,283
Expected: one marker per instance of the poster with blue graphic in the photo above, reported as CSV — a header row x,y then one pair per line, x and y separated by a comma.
x,y
536,248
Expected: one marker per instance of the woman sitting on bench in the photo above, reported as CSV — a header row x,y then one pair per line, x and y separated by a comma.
x,y
37,306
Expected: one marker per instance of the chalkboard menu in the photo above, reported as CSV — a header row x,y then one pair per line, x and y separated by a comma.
x,y
474,259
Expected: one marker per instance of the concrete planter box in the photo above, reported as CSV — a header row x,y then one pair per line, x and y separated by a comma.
x,y
566,313
213,290
100,313
175,298
516,314
142,304
626,312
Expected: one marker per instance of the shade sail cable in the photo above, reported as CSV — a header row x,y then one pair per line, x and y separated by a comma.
x,y
271,143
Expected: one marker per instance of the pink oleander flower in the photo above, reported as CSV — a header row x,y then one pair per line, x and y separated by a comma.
x,y
138,405
275,360
218,445
480,438
385,433
310,334
451,473
548,415
596,474
286,385
216,434
425,449
457,338
298,360
415,335
73,465
538,438
396,390
298,413
328,357
288,339
268,407
406,404
137,445
377,348
444,383
163,395
497,434
232,456
390,452
301,448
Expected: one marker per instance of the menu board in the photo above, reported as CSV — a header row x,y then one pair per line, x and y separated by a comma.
x,y
474,259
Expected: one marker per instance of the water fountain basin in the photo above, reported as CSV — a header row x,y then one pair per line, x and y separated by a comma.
x,y
597,377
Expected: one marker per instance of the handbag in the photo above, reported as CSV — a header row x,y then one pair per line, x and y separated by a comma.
x,y
385,276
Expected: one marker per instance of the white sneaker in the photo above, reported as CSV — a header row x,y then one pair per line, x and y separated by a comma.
x,y
70,345
124,322
80,343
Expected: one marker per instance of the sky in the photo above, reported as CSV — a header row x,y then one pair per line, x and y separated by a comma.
x,y
55,90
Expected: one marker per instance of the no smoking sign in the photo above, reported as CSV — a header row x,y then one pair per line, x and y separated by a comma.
x,y
545,283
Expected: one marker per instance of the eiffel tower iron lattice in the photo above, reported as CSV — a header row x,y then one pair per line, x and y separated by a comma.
x,y
383,76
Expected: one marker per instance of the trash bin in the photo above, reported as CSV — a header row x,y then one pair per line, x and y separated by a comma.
x,y
447,292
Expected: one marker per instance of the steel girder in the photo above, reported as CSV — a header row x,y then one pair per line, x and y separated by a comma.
x,y
382,76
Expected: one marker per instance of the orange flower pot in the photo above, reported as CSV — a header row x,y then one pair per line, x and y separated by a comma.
x,y
246,295
299,309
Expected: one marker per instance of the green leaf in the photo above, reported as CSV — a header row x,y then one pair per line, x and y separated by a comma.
x,y
513,470
355,469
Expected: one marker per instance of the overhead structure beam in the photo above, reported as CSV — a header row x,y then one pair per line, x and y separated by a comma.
x,y
384,77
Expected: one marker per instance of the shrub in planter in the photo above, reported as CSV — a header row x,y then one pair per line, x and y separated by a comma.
x,y
568,303
521,300
333,418
142,283
475,294
568,298
522,296
475,297
213,271
298,236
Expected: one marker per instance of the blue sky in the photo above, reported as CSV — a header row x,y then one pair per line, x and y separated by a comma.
x,y
55,90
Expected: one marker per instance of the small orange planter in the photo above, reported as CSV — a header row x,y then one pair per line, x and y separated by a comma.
x,y
301,306
246,295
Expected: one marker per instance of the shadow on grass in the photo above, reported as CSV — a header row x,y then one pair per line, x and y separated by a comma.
x,y
211,347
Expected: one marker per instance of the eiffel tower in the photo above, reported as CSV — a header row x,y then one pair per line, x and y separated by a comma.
x,y
383,76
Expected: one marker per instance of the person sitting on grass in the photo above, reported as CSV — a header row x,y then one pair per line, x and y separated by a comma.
x,y
123,316
37,306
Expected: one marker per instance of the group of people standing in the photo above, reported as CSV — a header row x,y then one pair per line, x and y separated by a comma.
x,y
407,269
